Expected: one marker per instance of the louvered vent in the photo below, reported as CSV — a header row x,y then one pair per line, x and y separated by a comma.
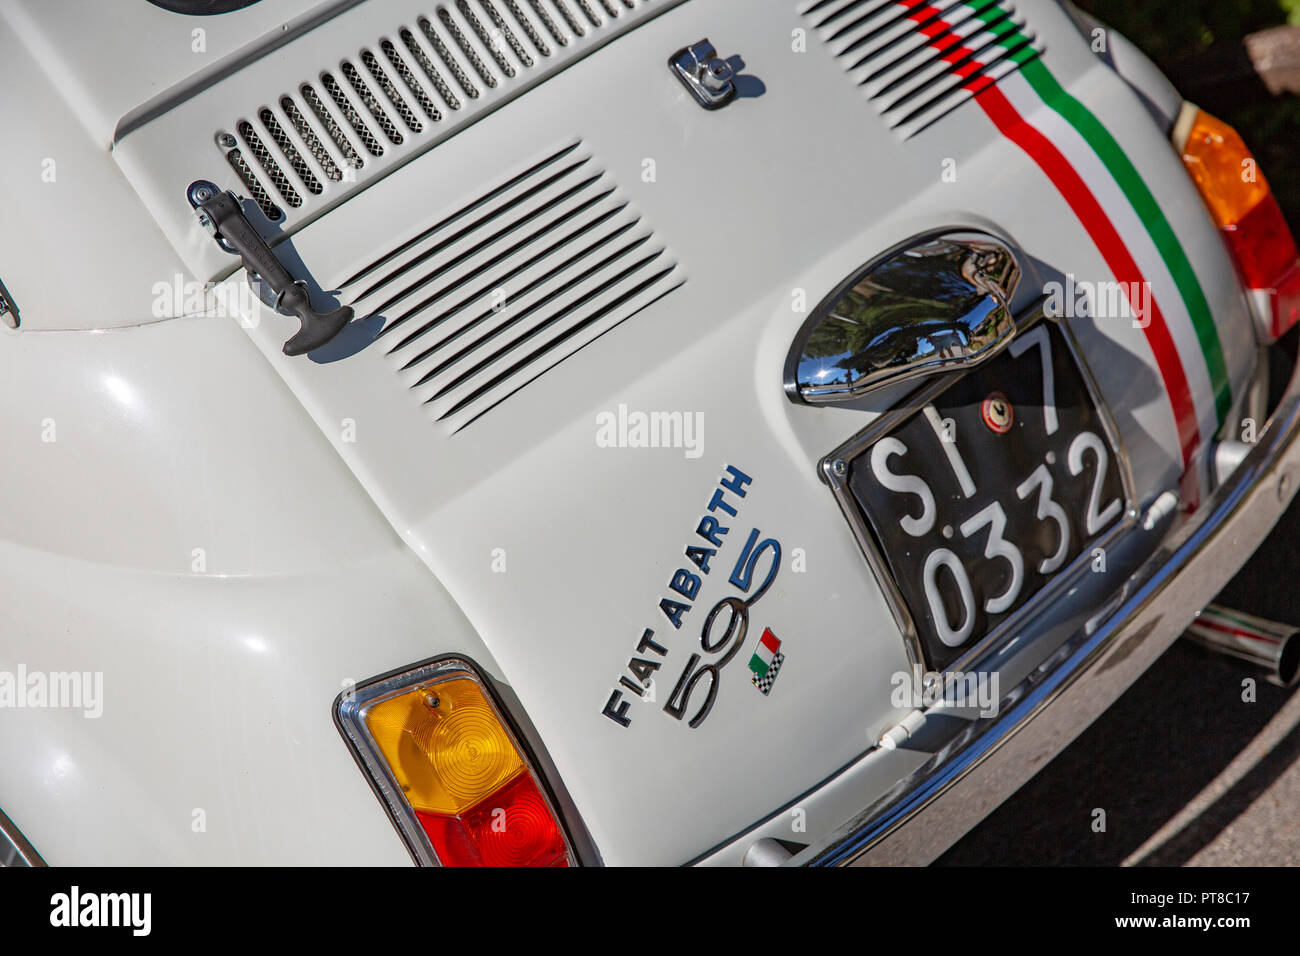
x,y
518,279
398,91
916,62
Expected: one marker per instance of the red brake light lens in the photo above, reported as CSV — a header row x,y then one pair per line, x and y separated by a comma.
x,y
513,827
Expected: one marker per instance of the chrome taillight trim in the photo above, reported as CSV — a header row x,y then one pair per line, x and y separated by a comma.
x,y
350,709
15,851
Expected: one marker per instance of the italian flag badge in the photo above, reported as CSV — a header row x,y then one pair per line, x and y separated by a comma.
x,y
766,662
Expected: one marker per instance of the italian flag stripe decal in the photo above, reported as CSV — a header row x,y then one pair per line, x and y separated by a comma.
x,y
1148,210
1103,188
767,649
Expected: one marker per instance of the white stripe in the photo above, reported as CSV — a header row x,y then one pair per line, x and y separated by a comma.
x,y
1141,246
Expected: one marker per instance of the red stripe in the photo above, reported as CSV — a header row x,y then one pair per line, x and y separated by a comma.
x,y
769,640
1235,632
1112,248
1090,214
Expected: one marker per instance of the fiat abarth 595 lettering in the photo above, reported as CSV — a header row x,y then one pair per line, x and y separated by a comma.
x,y
577,432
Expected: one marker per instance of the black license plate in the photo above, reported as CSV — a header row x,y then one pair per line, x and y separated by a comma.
x,y
998,485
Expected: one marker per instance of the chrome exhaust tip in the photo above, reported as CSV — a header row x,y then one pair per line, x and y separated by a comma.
x,y
1266,644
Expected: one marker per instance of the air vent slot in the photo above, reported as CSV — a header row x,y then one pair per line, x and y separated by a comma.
x,y
274,171
350,113
412,84
372,104
379,101
336,135
253,185
917,63
431,72
466,48
312,141
570,18
272,126
521,277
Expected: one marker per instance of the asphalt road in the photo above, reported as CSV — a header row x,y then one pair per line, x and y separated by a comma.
x,y
1186,772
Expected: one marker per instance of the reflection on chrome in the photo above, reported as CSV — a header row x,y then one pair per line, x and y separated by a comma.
x,y
943,301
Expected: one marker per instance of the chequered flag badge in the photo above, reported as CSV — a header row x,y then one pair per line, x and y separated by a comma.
x,y
766,662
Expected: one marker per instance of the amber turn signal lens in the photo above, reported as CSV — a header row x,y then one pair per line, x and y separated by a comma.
x,y
1223,169
444,744
1243,207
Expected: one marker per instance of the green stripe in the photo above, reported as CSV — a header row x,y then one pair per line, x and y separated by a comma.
x,y
1144,204
1148,210
758,665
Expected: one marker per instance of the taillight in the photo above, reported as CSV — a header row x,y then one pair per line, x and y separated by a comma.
x,y
1245,210
460,787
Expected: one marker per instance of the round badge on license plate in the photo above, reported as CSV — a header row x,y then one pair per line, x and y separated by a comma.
x,y
997,413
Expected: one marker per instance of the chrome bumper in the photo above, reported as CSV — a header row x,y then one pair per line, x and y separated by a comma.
x,y
934,807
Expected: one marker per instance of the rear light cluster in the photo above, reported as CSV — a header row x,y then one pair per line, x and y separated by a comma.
x,y
1246,212
456,781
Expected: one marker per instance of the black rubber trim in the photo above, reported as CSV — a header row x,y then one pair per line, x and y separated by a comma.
x,y
203,8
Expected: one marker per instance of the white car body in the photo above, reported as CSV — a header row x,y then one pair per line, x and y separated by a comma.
x,y
231,537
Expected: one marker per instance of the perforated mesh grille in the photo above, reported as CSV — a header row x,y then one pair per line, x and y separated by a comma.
x,y
312,141
487,39
462,78
384,83
260,195
548,24
390,95
272,126
466,49
372,103
431,72
354,119
516,46
592,18
570,17
417,91
268,163
332,129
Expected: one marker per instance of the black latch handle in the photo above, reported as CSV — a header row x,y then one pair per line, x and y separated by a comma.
x,y
221,214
